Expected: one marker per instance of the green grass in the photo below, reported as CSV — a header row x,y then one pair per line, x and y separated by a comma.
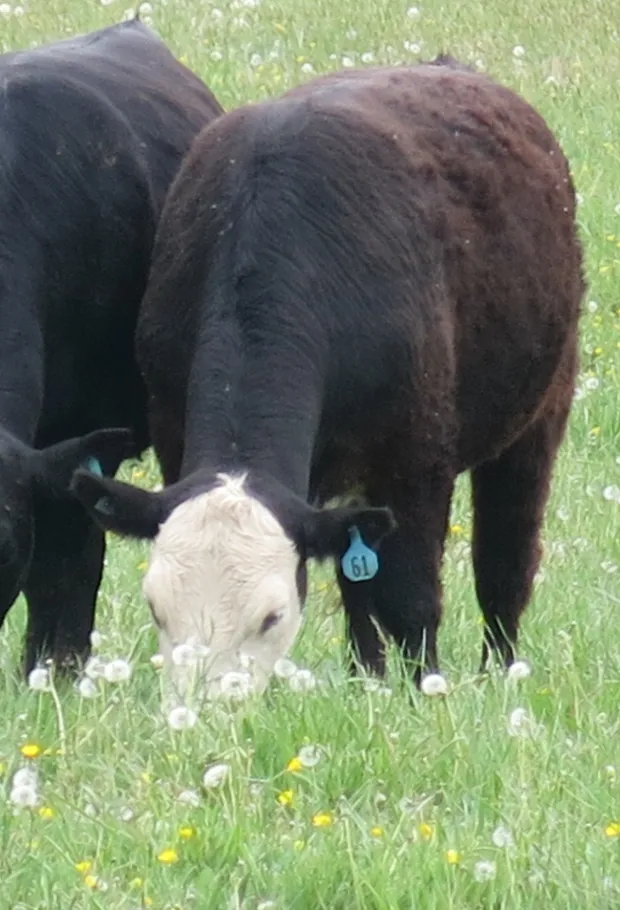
x,y
430,776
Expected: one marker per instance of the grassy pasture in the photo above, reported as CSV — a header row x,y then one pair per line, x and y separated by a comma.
x,y
426,807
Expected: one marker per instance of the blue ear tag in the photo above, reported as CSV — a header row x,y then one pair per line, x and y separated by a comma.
x,y
359,563
92,464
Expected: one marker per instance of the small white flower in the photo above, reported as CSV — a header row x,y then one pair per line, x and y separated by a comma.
x,y
5,9
617,209
521,723
146,8
412,47
217,14
283,668
158,661
216,56
591,383
215,776
95,639
246,661
87,688
434,684
612,493
18,11
413,13
24,796
256,60
117,671
189,654
608,566
108,2
368,57
520,669
579,198
189,798
309,756
182,718
25,777
307,68
95,667
348,61
502,837
126,814
518,51
302,681
266,905
485,870
236,685
351,34
592,304
39,679
90,810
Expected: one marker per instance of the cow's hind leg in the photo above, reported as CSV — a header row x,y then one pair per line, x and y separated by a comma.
x,y
404,598
61,588
509,498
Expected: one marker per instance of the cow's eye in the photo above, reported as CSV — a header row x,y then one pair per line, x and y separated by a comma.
x,y
270,620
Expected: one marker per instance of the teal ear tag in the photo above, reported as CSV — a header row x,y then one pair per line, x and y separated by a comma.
x,y
92,464
359,563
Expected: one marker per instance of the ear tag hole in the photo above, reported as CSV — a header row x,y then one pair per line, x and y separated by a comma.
x,y
92,464
359,563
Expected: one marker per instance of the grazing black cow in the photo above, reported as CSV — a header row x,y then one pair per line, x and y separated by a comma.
x,y
372,282
92,131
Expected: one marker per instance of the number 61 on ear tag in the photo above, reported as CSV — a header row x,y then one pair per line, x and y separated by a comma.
x,y
359,563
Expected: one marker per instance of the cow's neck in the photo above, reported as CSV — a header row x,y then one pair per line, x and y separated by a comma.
x,y
253,405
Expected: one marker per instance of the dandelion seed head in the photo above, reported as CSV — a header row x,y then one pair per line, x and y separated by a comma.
x,y
519,670
39,679
215,776
485,870
434,684
117,671
182,718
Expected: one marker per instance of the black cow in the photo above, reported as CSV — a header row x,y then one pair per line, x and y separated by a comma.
x,y
92,132
371,283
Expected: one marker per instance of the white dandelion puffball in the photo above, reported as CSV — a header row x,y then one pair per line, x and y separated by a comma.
x,y
612,493
189,798
24,796
25,777
189,654
518,51
521,723
215,776
502,837
39,679
434,684
117,671
309,756
87,687
520,669
182,718
95,639
485,870
235,685
95,667
413,13
302,681
158,661
283,668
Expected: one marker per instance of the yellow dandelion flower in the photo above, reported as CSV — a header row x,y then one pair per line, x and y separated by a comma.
x,y
595,431
143,566
136,883
286,797
597,351
146,777
46,812
425,830
453,857
456,529
377,831
34,844
187,832
31,750
294,765
147,901
168,857
83,866
299,845
612,829
91,881
322,819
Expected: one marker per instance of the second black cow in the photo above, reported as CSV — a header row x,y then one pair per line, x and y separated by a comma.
x,y
92,132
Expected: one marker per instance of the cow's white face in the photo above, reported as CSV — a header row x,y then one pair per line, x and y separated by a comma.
x,y
222,576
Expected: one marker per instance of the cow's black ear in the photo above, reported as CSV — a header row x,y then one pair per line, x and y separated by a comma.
x,y
330,532
120,507
100,452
